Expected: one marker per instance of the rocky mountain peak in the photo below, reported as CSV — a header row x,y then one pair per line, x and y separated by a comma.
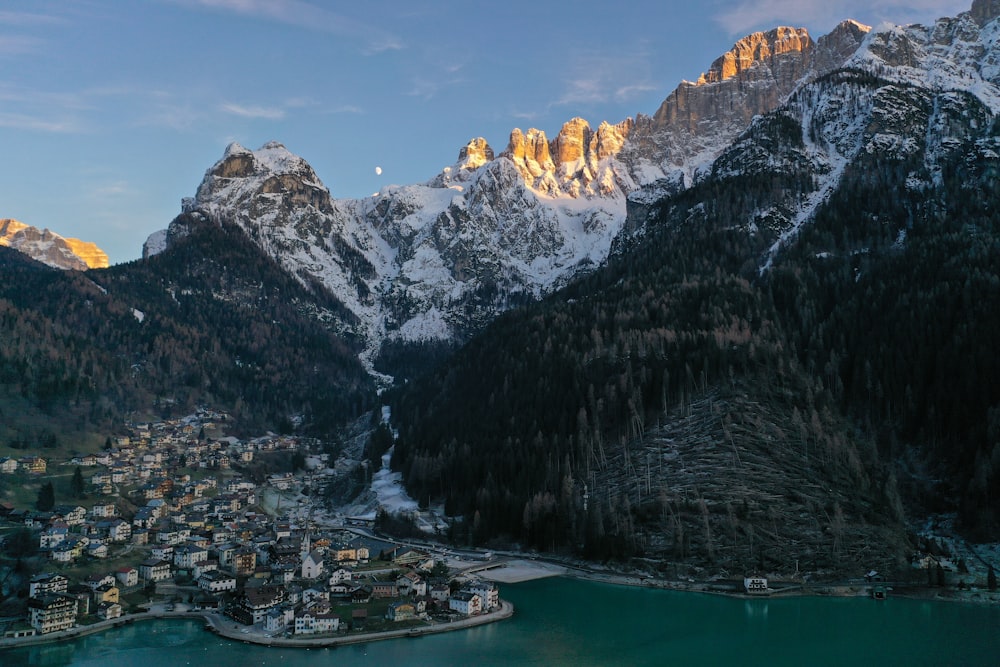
x,y
984,11
760,47
271,170
50,248
475,154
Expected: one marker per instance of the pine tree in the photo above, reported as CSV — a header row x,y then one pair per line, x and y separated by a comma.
x,y
46,498
76,484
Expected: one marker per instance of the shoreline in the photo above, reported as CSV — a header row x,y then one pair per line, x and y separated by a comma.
x,y
526,571
223,627
519,570
788,589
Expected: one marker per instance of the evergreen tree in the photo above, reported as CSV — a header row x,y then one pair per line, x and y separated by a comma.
x,y
76,484
46,498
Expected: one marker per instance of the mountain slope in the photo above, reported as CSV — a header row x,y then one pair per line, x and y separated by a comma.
x,y
795,331
210,321
436,261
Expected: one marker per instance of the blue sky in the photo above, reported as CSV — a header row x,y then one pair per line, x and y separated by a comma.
x,y
112,110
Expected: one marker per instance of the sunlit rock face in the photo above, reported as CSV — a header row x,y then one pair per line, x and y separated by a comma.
x,y
579,162
51,248
698,119
437,260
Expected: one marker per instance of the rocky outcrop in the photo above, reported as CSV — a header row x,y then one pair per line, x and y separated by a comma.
x,y
579,162
441,258
984,11
51,248
699,119
765,48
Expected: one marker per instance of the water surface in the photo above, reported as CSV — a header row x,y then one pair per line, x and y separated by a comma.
x,y
569,622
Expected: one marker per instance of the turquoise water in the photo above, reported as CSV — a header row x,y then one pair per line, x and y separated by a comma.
x,y
568,622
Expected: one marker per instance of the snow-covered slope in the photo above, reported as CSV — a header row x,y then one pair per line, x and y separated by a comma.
x,y
439,259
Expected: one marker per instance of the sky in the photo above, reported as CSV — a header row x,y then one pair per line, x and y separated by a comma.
x,y
112,110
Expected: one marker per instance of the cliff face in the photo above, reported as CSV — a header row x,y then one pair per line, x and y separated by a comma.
x,y
698,119
441,258
51,248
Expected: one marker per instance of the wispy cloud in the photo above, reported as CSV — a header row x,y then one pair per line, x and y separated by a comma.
x,y
306,15
747,16
266,113
40,111
344,108
599,77
19,45
26,18
33,123
113,190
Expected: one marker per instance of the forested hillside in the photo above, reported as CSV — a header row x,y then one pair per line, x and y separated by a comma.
x,y
684,403
212,321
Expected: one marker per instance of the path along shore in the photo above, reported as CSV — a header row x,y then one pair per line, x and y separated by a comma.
x,y
224,627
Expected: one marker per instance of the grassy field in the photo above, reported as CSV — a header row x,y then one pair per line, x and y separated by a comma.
x,y
40,434
21,489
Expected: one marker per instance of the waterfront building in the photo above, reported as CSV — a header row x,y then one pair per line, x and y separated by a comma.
x,y
466,603
50,612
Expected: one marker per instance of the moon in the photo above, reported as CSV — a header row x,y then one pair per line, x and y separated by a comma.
x,y
378,171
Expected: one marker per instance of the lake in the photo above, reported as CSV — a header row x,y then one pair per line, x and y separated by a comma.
x,y
561,621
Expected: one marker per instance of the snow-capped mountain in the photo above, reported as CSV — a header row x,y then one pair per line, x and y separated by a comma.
x,y
437,260
51,248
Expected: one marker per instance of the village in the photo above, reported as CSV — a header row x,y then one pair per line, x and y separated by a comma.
x,y
168,521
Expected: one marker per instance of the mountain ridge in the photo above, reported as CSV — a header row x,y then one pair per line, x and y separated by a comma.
x,y
50,248
436,261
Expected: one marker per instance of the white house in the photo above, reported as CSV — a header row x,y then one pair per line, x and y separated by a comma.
x,y
47,583
340,575
216,581
487,592
755,585
466,603
103,510
309,622
278,619
187,556
127,576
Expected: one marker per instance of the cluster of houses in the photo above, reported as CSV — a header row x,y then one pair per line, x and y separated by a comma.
x,y
35,465
204,536
55,604
305,602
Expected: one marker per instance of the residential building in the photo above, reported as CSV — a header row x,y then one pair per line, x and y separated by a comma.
x,y
255,604
109,610
154,569
127,576
216,581
186,556
384,589
279,618
466,603
401,610
50,612
310,622
488,593
33,464
47,583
